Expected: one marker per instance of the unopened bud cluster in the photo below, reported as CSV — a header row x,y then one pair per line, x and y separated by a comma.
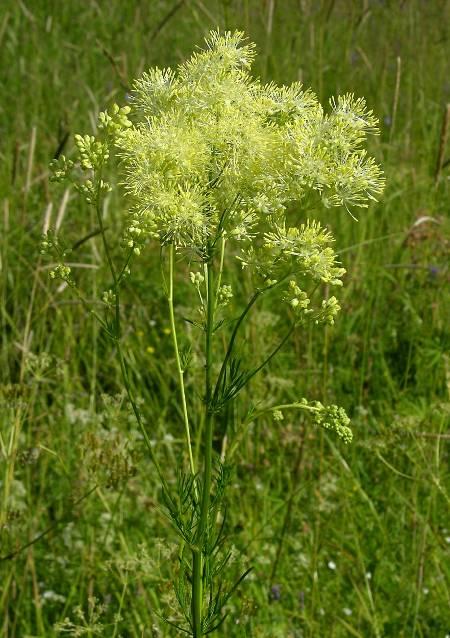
x,y
116,121
109,298
297,299
196,278
92,153
61,271
329,310
60,169
225,294
332,417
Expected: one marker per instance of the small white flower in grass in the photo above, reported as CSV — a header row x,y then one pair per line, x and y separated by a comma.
x,y
347,611
53,597
331,565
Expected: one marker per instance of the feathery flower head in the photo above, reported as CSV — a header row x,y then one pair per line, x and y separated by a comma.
x,y
212,148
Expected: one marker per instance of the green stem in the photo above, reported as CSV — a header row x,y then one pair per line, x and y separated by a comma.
x,y
108,257
284,406
254,298
103,234
122,598
272,354
232,340
197,567
219,276
95,314
178,361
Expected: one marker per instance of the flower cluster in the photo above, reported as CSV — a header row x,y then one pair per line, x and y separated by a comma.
x,y
92,156
225,294
206,151
92,153
212,148
304,250
115,122
330,308
299,303
330,417
60,169
298,300
61,271
52,245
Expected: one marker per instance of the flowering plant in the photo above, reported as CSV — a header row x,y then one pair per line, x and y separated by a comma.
x,y
211,161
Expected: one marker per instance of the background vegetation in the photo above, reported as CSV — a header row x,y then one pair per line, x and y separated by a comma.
x,y
345,541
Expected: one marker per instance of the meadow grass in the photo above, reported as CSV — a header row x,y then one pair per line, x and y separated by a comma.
x,y
345,541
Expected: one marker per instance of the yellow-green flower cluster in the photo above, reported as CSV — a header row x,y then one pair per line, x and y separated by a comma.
x,y
63,272
329,310
60,169
303,251
212,149
92,155
225,294
298,300
114,122
332,417
299,303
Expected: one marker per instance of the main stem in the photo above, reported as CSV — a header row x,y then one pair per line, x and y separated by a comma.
x,y
197,563
178,360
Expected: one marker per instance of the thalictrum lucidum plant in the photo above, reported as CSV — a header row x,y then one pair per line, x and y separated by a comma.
x,y
211,163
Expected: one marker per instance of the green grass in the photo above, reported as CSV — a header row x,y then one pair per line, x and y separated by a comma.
x,y
365,529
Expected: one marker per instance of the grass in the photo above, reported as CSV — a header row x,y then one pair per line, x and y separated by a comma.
x,y
344,541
